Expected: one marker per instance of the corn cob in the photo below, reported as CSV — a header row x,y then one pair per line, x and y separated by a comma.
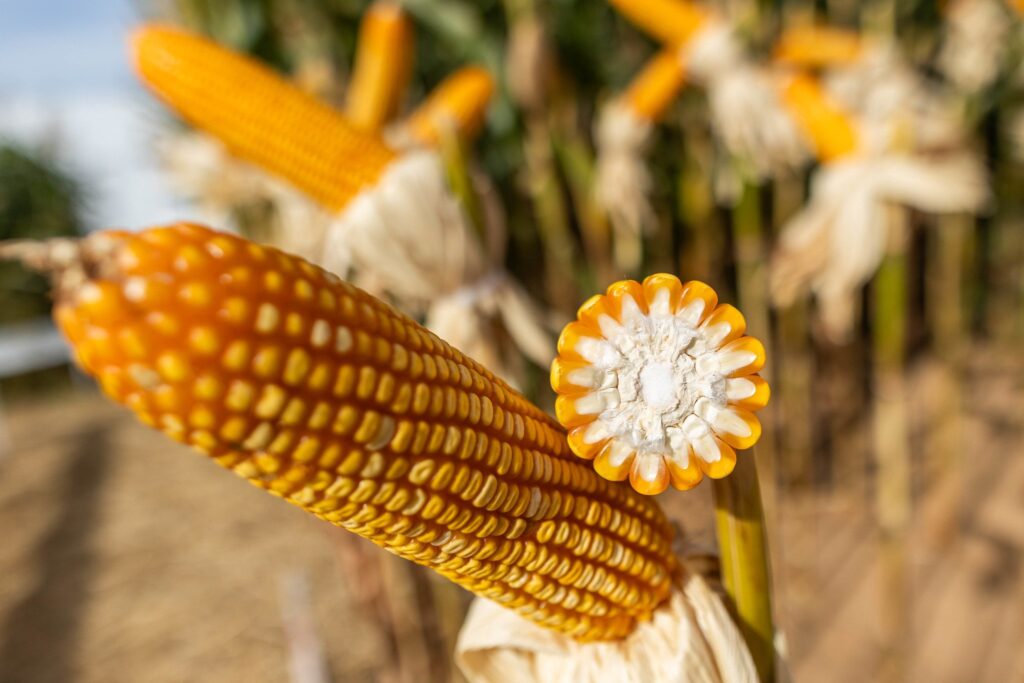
x,y
382,68
321,394
656,86
259,116
657,384
671,22
459,103
818,47
826,125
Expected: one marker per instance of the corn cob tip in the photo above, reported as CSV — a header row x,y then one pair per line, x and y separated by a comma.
x,y
68,262
323,395
459,104
657,383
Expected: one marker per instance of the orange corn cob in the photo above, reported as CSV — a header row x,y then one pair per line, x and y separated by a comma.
x,y
818,47
259,116
459,103
656,86
321,394
671,22
382,68
827,126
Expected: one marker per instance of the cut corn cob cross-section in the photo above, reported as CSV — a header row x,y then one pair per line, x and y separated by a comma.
x,y
321,394
382,66
657,383
458,104
259,116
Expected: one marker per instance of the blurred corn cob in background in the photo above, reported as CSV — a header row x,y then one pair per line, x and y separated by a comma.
x,y
387,202
382,67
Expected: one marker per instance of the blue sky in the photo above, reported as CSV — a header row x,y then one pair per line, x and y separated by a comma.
x,y
64,74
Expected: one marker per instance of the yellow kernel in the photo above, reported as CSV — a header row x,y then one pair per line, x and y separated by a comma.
x,y
234,429
235,310
267,361
345,382
399,358
403,400
273,281
166,398
267,464
282,443
303,290
207,387
307,449
203,340
443,476
320,377
201,418
352,463
271,402
196,294
203,440
267,318
327,299
144,377
236,357
421,472
131,343
330,456
297,366
421,398
321,416
294,325
240,396
385,388
367,382
163,323
172,367
294,412
346,420
369,427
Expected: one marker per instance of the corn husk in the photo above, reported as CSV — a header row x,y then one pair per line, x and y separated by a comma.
x,y
747,113
623,183
836,243
690,638
409,239
975,45
203,170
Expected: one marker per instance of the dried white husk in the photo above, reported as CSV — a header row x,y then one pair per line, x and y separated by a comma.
x,y
408,238
623,183
747,113
691,638
913,152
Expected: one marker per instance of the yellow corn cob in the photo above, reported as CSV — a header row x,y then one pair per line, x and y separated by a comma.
x,y
259,116
459,103
671,22
822,120
382,68
321,394
818,47
658,83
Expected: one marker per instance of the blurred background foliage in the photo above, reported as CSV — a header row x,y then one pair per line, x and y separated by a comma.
x,y
38,199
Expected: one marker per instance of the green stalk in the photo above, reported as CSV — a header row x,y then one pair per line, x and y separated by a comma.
x,y
752,297
743,543
892,444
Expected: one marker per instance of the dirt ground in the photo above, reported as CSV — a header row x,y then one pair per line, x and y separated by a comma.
x,y
126,557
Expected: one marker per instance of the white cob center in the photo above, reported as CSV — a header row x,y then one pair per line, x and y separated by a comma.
x,y
659,381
